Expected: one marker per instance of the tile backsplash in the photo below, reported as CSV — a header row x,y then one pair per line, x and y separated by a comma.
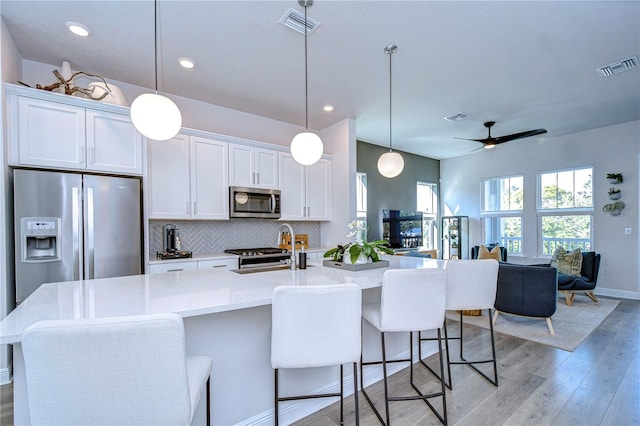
x,y
206,237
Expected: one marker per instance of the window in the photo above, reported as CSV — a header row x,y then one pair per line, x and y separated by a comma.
x,y
501,215
427,203
361,202
565,210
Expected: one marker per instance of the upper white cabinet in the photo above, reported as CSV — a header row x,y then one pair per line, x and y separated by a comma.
x,y
253,167
188,178
306,190
60,131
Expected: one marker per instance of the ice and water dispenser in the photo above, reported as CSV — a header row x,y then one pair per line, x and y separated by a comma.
x,y
40,239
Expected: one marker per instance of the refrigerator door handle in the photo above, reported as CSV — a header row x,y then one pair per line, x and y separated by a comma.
x,y
75,218
90,234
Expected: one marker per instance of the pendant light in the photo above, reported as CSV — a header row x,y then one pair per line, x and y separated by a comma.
x,y
306,147
390,164
154,115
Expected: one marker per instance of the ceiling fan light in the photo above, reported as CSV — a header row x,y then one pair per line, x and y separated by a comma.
x,y
156,116
390,164
489,145
306,148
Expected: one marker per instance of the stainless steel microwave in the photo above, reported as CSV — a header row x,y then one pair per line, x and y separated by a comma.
x,y
254,202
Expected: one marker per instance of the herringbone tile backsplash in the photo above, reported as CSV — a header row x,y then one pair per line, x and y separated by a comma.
x,y
207,237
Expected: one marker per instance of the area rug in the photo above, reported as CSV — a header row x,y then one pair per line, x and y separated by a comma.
x,y
572,324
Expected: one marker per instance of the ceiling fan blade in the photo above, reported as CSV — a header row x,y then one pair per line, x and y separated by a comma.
x,y
514,136
475,140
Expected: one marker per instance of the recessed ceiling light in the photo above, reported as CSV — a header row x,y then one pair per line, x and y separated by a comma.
x,y
186,62
328,108
78,29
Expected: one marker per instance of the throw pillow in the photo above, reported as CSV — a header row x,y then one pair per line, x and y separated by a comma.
x,y
569,263
484,253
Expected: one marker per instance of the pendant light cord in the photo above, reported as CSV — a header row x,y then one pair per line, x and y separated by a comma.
x,y
155,41
306,78
390,108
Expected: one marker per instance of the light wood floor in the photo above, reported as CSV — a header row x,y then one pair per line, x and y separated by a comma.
x,y
597,384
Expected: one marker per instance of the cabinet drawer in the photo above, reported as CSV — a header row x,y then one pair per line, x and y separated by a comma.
x,y
173,267
222,264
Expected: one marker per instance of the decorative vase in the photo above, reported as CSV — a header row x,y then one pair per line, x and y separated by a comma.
x,y
362,258
615,196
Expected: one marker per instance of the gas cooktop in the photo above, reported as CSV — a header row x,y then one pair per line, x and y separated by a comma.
x,y
250,252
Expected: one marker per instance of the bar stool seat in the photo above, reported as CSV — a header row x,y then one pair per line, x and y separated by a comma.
x,y
411,300
316,326
113,371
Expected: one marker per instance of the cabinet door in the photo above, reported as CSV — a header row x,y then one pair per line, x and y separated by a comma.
x,y
318,191
292,201
209,174
113,144
266,168
50,134
241,167
169,196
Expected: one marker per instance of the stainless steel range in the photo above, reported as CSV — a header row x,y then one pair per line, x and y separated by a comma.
x,y
260,257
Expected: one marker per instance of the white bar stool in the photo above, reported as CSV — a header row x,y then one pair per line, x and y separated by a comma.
x,y
316,326
471,285
411,300
113,371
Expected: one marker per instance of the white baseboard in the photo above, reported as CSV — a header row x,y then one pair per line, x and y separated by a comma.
x,y
5,376
612,292
297,410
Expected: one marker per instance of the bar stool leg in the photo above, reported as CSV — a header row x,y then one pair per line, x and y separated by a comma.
x,y
355,392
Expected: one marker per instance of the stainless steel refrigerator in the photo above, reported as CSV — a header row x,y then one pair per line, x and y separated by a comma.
x,y
73,226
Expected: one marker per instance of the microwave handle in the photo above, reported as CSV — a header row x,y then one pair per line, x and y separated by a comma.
x,y
273,203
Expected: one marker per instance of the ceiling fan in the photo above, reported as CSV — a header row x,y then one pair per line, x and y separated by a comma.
x,y
490,142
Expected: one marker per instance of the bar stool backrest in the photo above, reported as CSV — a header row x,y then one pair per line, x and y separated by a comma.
x,y
315,325
122,370
412,299
471,284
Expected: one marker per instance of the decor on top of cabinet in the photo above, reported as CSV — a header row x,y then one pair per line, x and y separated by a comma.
x,y
360,254
70,88
614,178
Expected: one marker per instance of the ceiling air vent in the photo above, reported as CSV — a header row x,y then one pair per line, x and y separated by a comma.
x,y
295,20
457,117
618,67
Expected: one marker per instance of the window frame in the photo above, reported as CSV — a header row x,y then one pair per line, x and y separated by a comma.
x,y
502,214
542,212
430,220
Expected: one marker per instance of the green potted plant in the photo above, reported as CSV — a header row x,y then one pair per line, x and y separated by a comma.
x,y
614,178
614,209
361,251
614,194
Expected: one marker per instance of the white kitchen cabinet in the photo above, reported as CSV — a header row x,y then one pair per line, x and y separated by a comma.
x,y
221,264
159,268
55,134
253,167
305,190
188,178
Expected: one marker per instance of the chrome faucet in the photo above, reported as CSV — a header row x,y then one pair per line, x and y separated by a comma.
x,y
293,243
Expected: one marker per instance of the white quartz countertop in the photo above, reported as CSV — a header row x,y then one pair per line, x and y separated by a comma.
x,y
189,293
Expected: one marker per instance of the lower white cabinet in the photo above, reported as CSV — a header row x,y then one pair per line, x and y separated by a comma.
x,y
159,268
188,178
218,264
306,190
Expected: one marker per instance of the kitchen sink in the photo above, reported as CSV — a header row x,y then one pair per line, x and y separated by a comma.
x,y
264,269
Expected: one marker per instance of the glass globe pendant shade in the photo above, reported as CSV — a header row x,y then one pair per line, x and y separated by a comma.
x,y
390,164
156,116
306,148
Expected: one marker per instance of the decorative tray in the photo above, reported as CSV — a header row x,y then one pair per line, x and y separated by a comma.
x,y
357,267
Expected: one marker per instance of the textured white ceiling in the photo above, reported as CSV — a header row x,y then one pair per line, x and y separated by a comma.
x,y
523,64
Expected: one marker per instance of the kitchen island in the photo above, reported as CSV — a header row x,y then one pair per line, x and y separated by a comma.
x,y
227,316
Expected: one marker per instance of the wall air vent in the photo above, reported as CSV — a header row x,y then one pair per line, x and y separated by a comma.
x,y
618,67
295,20
457,117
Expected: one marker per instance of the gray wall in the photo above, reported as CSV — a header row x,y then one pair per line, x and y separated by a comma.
x,y
397,193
